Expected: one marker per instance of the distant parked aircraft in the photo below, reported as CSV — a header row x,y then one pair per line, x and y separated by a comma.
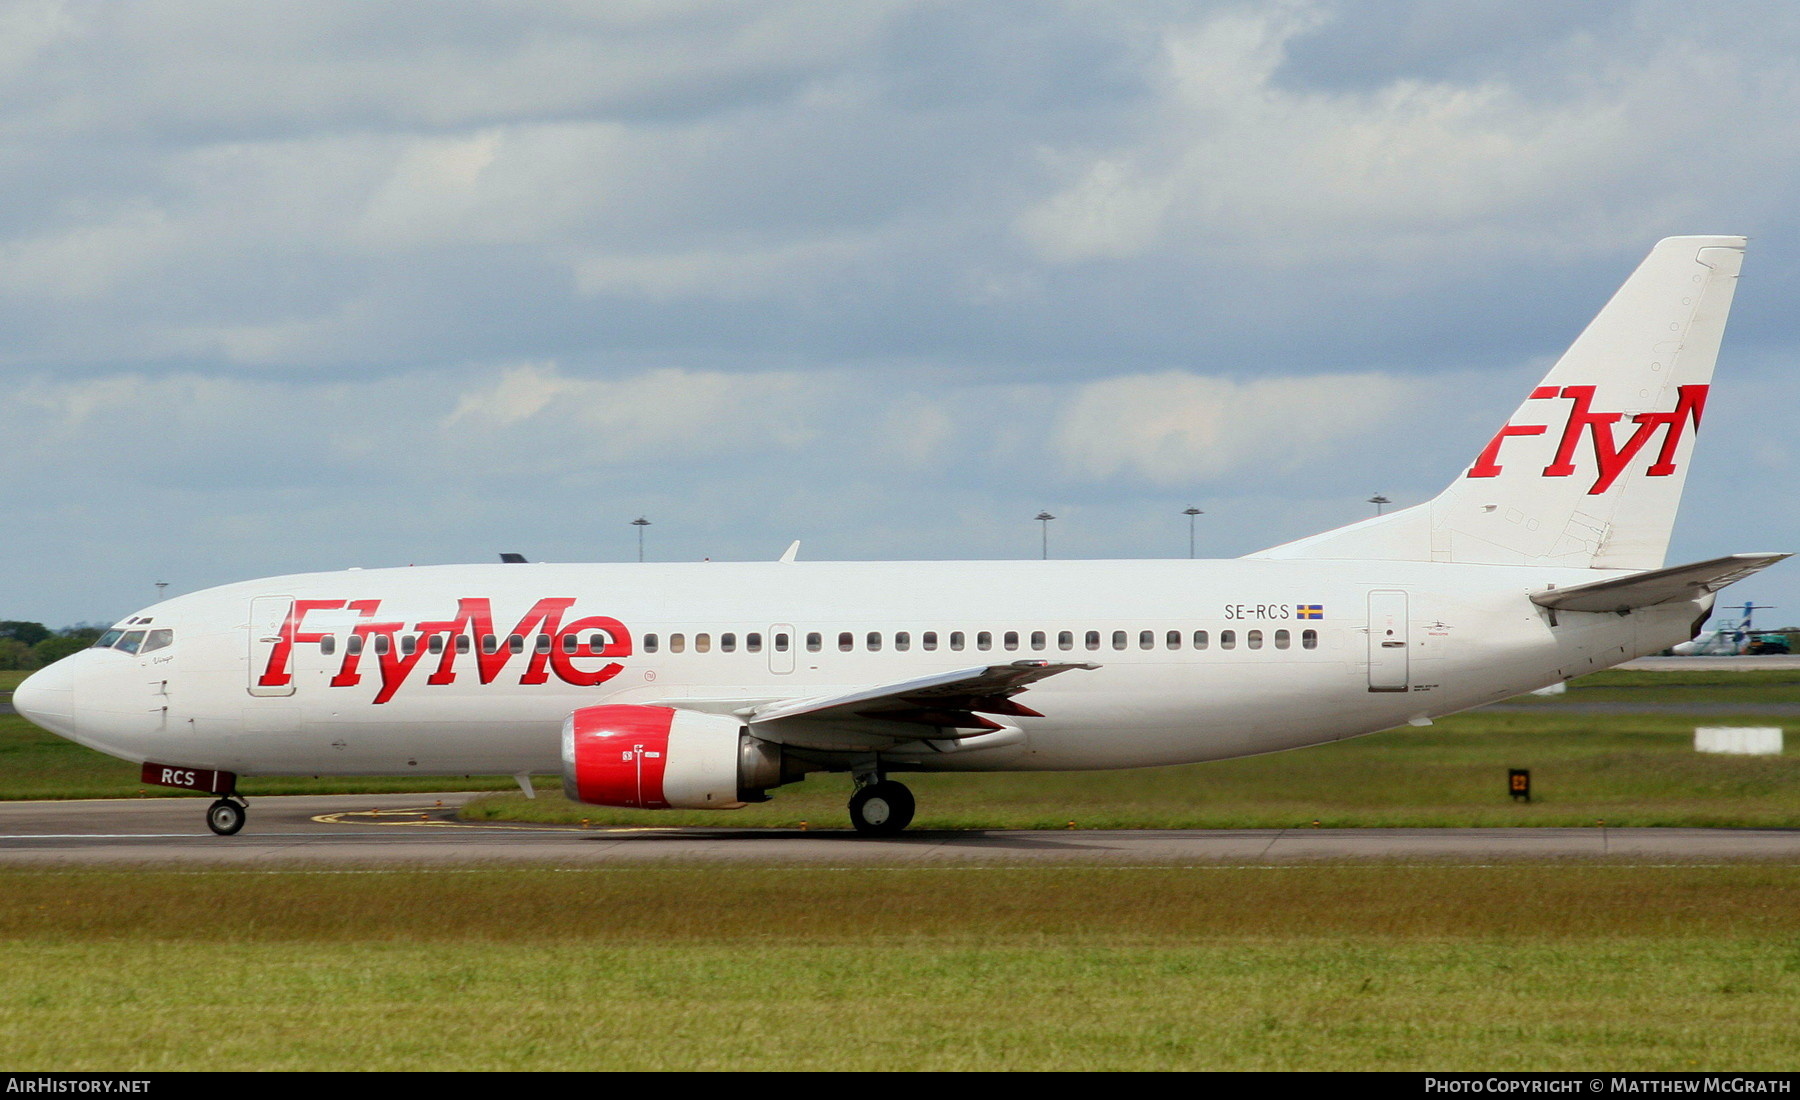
x,y
1730,638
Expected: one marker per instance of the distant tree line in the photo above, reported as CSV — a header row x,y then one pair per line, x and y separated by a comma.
x,y
25,646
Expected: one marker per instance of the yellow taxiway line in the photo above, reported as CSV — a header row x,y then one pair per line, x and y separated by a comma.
x,y
421,816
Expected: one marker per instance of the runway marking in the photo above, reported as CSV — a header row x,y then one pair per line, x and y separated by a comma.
x,y
420,816
97,836
678,868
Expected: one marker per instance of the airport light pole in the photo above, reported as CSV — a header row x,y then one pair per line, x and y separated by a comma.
x,y
1190,513
640,523
1044,518
160,585
1379,502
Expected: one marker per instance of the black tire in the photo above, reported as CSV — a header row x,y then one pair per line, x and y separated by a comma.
x,y
225,817
881,809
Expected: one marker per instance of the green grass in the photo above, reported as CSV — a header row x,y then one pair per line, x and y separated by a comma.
x,y
1628,770
1317,967
1675,687
37,764
10,679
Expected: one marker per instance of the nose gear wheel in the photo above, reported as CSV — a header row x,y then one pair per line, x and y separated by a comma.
x,y
226,816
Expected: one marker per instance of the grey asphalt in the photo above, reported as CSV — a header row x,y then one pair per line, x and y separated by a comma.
x,y
419,831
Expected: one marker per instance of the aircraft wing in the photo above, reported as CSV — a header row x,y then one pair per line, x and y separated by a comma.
x,y
1680,582
935,705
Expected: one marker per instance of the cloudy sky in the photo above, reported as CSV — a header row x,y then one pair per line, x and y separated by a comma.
x,y
293,286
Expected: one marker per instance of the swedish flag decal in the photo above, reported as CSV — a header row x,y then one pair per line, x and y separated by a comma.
x,y
1310,611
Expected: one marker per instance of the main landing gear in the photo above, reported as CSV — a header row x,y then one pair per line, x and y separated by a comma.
x,y
226,816
880,807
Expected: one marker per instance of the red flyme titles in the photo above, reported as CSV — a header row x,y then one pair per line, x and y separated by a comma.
x,y
1609,456
474,617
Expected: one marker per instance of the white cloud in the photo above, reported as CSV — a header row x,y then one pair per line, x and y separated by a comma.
x,y
666,415
1177,429
740,274
1234,159
904,273
88,260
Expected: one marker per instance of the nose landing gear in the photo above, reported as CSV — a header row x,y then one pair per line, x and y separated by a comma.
x,y
226,816
881,807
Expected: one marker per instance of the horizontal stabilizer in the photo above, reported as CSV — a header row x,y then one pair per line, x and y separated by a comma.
x,y
1680,582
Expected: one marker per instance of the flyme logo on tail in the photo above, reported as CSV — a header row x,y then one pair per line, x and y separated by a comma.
x,y
587,639
1610,458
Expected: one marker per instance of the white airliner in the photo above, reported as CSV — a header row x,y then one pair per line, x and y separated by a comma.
x,y
705,685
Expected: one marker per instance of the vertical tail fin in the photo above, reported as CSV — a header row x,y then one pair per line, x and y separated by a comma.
x,y
1588,472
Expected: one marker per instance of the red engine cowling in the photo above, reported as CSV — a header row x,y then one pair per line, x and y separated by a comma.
x,y
656,758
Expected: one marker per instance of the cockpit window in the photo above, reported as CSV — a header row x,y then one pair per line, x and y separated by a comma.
x,y
158,639
107,639
131,642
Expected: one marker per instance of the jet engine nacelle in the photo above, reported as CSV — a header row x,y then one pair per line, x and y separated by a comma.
x,y
656,758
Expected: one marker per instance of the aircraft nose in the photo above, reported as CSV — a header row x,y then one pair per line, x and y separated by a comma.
x,y
47,697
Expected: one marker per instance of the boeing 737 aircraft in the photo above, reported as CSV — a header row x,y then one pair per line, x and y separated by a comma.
x,y
706,685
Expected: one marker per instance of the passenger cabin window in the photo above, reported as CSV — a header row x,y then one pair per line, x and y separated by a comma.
x,y
541,644
753,643
781,642
463,643
409,644
1118,639
490,643
1200,639
160,639
1011,640
1227,639
1174,639
677,643
1065,639
1253,639
814,642
383,644
703,643
956,640
328,645
1281,639
1038,641
1309,639
874,641
728,643
902,641
928,640
846,642
435,642
1146,639
353,645
984,640
650,643
1093,639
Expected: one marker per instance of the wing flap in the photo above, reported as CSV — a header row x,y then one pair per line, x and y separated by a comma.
x,y
947,700
1680,582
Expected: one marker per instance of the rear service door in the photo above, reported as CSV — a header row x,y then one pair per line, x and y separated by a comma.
x,y
1387,641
